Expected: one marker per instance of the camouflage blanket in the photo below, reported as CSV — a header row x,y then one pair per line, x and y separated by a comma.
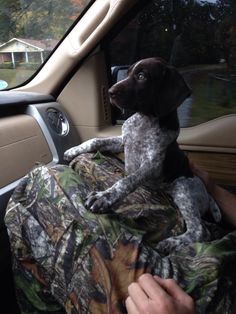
x,y
66,259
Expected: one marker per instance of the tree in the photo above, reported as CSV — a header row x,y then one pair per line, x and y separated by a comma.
x,y
45,19
9,11
37,19
182,32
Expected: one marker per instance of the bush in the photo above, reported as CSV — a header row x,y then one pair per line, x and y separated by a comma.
x,y
30,65
6,65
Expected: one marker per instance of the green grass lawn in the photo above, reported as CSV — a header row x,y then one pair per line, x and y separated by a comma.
x,y
214,95
15,77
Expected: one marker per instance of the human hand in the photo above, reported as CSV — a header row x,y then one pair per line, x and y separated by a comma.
x,y
154,295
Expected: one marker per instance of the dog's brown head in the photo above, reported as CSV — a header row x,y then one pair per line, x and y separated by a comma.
x,y
151,87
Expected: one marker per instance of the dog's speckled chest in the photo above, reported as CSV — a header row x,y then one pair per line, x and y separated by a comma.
x,y
144,139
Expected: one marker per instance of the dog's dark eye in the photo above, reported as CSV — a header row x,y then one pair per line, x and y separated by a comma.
x,y
141,76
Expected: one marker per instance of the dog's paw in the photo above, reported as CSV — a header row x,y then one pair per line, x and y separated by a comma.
x,y
71,153
99,202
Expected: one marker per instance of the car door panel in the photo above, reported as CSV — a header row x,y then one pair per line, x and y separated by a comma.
x,y
33,129
222,167
22,143
212,146
216,135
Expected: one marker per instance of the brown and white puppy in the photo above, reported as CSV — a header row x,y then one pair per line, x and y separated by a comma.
x,y
153,158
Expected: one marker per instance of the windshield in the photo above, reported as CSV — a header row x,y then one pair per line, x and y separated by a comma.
x,y
29,31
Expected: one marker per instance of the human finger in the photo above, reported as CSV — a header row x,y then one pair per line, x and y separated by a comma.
x,y
131,306
136,292
138,296
151,287
154,303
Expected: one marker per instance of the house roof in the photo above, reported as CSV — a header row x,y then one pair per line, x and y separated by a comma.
x,y
22,45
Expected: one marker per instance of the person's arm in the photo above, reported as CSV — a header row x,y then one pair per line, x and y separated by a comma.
x,y
225,199
154,295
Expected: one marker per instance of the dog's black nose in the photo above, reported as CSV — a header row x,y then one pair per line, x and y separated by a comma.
x,y
114,92
111,93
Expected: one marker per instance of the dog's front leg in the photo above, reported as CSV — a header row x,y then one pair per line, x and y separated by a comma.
x,y
192,199
111,144
101,202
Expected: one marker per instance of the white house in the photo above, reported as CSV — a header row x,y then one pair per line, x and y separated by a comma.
x,y
19,50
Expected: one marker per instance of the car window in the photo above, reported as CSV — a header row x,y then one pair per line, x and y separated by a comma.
x,y
29,31
197,37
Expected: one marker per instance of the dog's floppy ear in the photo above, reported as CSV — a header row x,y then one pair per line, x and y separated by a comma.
x,y
172,92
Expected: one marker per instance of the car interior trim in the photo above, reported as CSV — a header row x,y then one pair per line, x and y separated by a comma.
x,y
22,144
67,57
33,111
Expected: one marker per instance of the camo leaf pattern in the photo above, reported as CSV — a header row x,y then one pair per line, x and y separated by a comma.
x,y
69,260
